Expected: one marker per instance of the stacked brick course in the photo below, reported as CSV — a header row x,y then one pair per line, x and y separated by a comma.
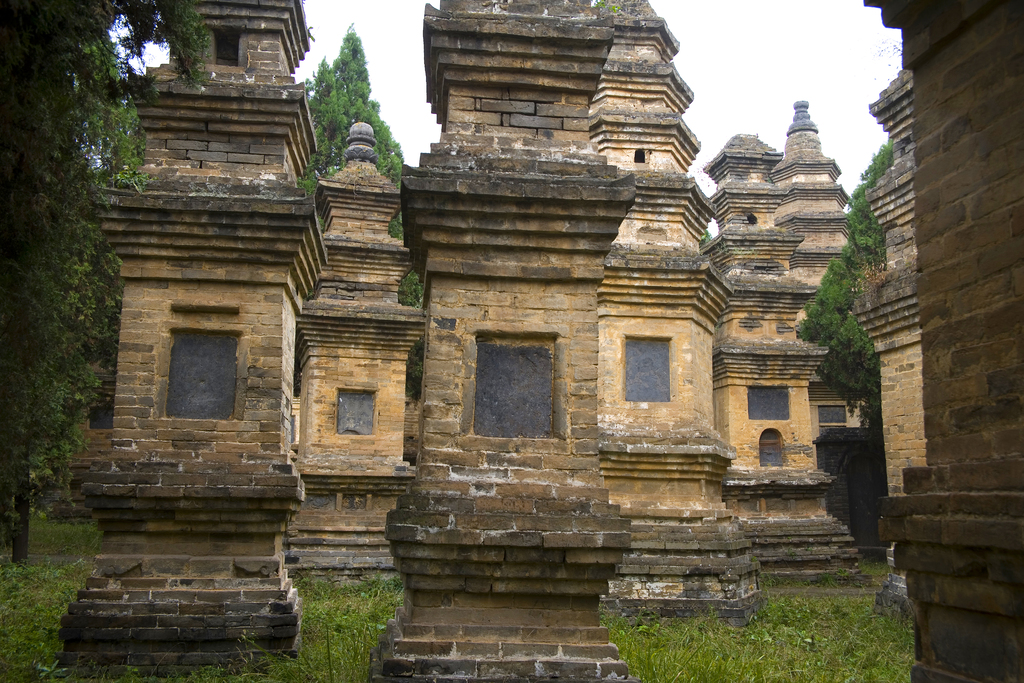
x,y
959,530
354,339
661,458
218,254
762,371
507,540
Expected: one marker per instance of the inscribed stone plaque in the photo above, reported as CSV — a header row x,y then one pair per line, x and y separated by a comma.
x,y
201,380
513,391
355,412
768,403
647,371
101,417
831,415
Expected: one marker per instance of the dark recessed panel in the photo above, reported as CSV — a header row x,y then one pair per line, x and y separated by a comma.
x,y
355,412
201,380
101,417
647,371
513,391
832,415
768,403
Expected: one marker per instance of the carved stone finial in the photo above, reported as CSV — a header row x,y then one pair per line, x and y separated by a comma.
x,y
801,119
361,142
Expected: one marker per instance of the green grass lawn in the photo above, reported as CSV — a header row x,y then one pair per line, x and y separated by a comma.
x,y
834,639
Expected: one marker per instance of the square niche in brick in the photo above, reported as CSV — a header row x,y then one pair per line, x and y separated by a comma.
x,y
101,417
832,415
768,403
355,413
201,378
513,390
648,376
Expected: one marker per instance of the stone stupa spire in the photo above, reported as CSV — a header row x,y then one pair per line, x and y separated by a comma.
x,y
361,143
814,200
802,119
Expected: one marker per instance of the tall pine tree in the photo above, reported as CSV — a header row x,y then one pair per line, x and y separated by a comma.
x,y
852,368
339,95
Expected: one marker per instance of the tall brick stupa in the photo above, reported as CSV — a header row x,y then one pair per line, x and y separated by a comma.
x,y
507,540
354,341
219,253
768,206
661,457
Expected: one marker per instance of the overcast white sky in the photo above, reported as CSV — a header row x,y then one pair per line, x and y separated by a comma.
x,y
747,61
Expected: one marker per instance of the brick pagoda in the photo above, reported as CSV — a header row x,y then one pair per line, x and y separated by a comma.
x,y
662,460
762,371
218,255
354,341
507,540
890,312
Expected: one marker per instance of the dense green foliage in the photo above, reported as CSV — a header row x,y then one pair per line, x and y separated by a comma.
x,y
852,367
793,638
339,95
65,128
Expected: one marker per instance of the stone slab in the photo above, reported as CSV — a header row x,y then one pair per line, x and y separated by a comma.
x,y
201,381
648,372
513,391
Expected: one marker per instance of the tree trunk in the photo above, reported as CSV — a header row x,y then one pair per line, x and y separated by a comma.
x,y
20,545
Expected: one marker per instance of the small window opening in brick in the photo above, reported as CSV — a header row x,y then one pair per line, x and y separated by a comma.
x,y
752,219
640,157
770,448
226,46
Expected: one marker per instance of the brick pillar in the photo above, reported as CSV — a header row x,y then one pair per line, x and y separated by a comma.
x,y
354,341
507,540
959,530
218,254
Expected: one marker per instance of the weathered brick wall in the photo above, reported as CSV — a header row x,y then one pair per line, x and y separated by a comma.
x,y
152,312
744,433
466,310
962,510
327,372
690,363
903,415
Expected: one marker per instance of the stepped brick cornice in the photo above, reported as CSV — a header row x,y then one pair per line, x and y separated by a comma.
x,y
752,361
657,285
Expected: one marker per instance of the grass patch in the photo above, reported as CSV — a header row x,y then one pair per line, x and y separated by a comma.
x,y
797,639
32,600
51,537
872,568
340,624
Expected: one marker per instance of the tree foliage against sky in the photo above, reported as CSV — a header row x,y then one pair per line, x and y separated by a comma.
x,y
852,368
66,126
339,95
